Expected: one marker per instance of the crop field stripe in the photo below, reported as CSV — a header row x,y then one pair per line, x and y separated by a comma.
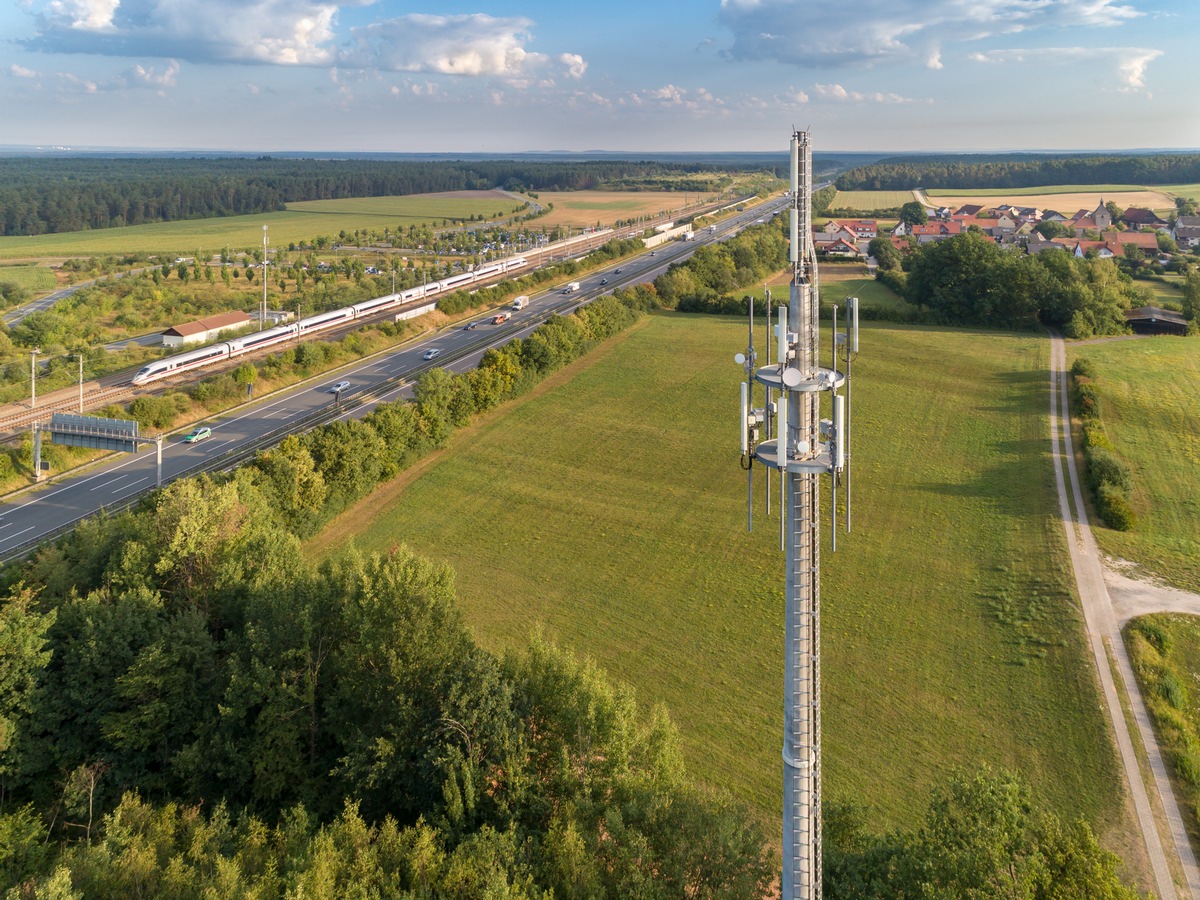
x,y
610,512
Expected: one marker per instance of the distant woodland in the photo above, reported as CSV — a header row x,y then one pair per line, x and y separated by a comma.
x,y
978,172
45,196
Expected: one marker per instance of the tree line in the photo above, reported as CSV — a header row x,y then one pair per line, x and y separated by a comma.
x,y
43,196
978,172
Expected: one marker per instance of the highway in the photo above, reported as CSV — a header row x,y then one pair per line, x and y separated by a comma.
x,y
43,512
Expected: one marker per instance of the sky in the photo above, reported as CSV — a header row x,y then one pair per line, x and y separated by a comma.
x,y
653,75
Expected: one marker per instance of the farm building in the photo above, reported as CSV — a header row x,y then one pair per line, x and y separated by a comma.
x,y
1153,320
203,330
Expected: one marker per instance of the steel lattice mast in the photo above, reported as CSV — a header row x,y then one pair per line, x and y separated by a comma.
x,y
799,455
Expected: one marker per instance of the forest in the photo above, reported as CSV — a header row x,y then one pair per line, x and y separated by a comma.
x,y
977,172
43,196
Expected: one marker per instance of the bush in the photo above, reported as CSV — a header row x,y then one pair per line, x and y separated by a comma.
x,y
1094,436
1105,468
1114,509
1087,400
1083,368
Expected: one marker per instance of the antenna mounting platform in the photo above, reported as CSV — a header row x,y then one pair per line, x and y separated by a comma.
x,y
825,380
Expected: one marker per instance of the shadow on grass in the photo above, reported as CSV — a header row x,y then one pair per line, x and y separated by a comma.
x,y
1006,483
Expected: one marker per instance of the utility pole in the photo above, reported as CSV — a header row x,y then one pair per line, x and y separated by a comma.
x,y
33,376
262,319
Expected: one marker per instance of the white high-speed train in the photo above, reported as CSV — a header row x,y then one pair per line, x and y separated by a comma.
x,y
205,356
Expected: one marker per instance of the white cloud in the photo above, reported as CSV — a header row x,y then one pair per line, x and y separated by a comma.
x,y
875,32
835,93
276,32
141,76
470,45
21,72
85,15
1128,64
574,64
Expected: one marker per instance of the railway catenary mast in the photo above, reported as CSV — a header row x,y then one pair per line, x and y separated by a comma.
x,y
800,456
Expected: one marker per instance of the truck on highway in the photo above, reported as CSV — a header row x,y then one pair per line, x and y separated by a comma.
x,y
521,302
571,288
501,318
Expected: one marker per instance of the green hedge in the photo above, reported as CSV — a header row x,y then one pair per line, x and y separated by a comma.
x,y
1108,477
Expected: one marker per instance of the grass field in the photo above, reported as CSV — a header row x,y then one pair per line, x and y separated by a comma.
x,y
609,509
1170,290
1150,406
585,208
1064,198
32,278
871,199
1183,190
299,222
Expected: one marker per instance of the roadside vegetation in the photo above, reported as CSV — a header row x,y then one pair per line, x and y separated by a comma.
x,y
1149,393
1165,651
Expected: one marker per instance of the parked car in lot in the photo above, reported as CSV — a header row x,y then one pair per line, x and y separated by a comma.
x,y
339,387
432,353
198,434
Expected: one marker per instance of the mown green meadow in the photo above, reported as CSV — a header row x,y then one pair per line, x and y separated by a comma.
x,y
1150,404
609,512
871,199
299,222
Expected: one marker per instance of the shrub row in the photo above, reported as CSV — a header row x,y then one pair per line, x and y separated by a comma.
x,y
1108,476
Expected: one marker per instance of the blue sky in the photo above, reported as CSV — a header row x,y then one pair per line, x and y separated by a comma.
x,y
450,76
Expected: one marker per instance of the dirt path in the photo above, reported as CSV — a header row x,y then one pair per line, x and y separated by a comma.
x,y
1133,597
1104,637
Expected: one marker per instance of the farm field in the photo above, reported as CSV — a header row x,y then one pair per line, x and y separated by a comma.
x,y
608,509
1183,190
582,209
1150,406
1065,199
299,222
29,277
871,199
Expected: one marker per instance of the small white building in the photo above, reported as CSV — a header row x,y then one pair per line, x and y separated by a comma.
x,y
204,330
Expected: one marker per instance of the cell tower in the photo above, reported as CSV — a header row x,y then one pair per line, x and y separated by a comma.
x,y
801,447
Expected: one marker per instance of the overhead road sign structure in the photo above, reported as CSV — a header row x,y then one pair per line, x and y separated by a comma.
x,y
94,432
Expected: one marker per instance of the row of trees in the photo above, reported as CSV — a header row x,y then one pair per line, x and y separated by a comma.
x,y
714,271
1020,170
970,280
40,196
